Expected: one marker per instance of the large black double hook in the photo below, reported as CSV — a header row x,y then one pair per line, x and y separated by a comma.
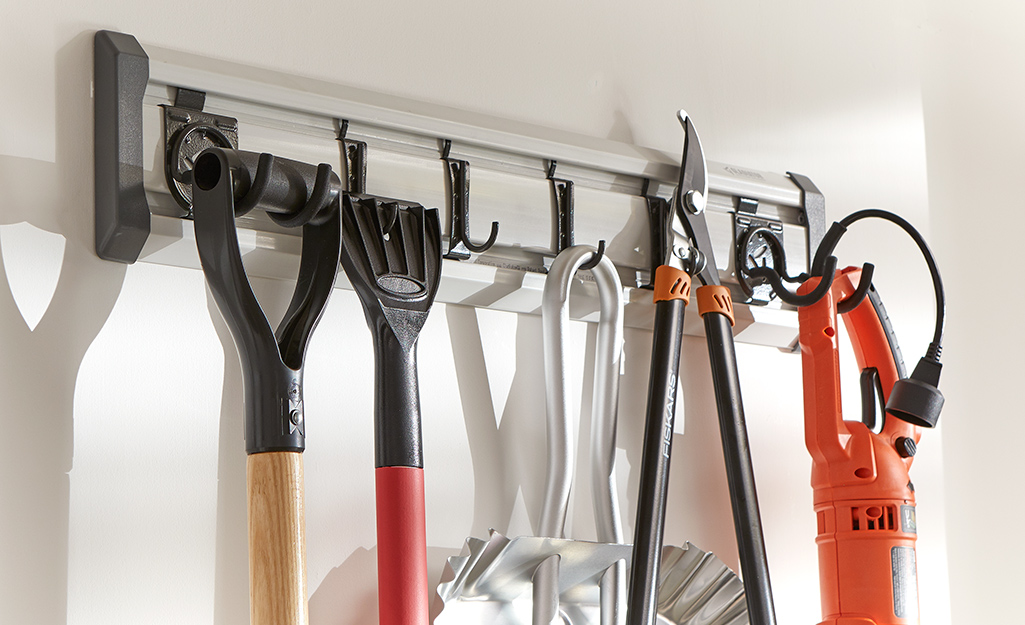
x,y
227,183
823,266
280,185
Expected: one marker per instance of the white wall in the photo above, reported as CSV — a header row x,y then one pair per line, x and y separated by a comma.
x,y
973,92
121,462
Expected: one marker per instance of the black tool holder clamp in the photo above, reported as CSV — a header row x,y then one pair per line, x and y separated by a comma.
x,y
228,184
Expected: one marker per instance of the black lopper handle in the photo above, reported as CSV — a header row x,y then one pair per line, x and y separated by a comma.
x,y
716,308
672,292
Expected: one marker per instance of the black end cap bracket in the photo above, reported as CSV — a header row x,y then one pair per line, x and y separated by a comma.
x,y
121,71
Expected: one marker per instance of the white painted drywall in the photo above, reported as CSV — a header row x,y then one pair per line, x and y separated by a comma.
x,y
121,462
974,85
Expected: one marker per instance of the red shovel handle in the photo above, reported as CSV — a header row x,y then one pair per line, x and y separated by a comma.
x,y
401,546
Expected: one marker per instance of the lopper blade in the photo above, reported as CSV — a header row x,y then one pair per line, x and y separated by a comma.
x,y
690,199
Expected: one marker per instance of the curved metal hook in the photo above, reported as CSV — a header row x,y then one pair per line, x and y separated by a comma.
x,y
775,248
293,194
320,199
774,279
460,246
563,194
744,253
595,256
845,306
820,290
259,185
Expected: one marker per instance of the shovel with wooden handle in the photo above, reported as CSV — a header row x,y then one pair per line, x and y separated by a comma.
x,y
227,184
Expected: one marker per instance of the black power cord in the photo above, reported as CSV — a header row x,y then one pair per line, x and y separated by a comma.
x,y
916,399
838,229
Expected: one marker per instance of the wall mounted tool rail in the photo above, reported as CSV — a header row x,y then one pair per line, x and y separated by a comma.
x,y
155,109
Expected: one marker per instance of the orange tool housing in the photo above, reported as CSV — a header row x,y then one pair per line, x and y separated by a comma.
x,y
864,499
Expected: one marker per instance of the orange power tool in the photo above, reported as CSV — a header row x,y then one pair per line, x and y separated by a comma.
x,y
864,498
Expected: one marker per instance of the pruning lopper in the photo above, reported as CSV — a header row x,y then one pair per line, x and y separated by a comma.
x,y
686,253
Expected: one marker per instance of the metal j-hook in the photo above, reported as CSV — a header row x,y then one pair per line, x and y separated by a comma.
x,y
562,193
459,245
354,160
658,214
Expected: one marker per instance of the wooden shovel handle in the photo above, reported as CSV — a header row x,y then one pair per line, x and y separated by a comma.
x,y
277,539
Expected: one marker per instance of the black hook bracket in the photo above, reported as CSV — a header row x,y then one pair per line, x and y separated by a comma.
x,y
187,132
562,194
776,275
272,362
459,244
658,220
751,234
354,161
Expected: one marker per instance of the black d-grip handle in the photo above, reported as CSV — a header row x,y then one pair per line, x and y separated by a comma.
x,y
293,193
271,362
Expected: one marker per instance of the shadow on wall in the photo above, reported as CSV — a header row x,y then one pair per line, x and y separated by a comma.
x,y
231,582
40,364
505,459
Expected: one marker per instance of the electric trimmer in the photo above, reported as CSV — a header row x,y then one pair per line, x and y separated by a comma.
x,y
864,498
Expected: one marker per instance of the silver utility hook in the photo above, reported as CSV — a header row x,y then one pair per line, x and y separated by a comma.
x,y
608,353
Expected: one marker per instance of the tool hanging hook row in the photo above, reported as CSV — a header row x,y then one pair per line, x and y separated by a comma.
x,y
562,194
459,245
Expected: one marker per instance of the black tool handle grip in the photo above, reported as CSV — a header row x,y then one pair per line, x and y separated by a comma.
x,y
739,469
654,484
396,402
288,190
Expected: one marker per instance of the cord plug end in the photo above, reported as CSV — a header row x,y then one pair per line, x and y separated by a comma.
x,y
916,399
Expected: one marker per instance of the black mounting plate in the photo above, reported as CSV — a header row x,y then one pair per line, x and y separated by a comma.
x,y
187,132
